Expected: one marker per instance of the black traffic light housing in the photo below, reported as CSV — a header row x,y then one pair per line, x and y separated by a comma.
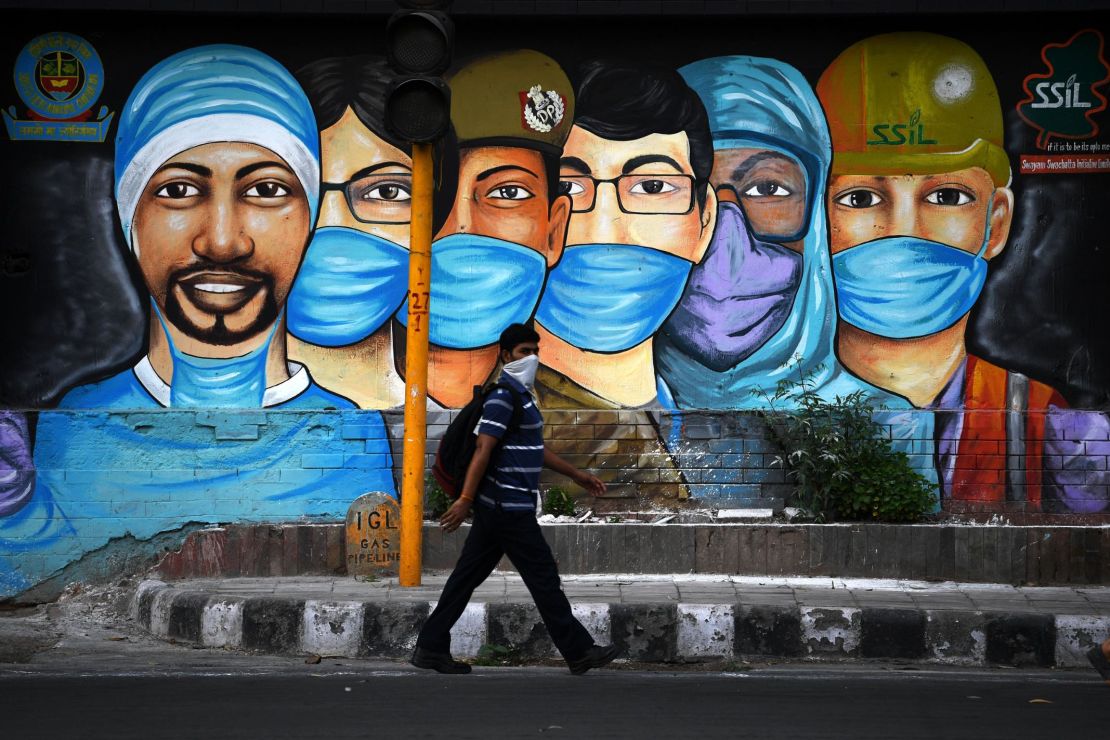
x,y
420,39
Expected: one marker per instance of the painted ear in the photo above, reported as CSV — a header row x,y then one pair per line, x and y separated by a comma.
x,y
558,222
708,224
1002,215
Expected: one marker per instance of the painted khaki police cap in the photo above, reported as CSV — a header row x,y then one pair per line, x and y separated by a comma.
x,y
514,98
913,103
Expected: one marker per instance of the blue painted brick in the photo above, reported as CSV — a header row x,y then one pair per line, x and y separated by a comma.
x,y
764,475
300,475
325,460
362,431
84,476
696,460
268,475
1097,447
366,462
720,475
760,446
726,445
127,476
722,491
128,508
921,462
745,460
701,431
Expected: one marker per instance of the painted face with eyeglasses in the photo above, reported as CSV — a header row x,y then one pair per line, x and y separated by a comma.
x,y
367,181
640,192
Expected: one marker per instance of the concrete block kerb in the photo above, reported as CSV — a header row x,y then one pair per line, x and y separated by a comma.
x,y
661,631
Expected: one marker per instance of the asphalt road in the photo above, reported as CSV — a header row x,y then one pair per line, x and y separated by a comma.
x,y
348,699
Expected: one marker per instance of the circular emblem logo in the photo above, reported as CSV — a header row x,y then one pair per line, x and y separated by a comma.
x,y
59,75
542,111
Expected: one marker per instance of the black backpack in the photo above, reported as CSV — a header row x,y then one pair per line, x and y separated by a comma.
x,y
459,441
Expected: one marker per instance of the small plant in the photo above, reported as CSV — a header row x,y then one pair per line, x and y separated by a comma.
x,y
840,465
558,502
436,500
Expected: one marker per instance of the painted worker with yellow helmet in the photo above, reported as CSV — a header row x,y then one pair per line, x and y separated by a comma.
x,y
918,202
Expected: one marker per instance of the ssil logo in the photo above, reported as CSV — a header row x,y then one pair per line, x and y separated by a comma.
x,y
1061,103
911,133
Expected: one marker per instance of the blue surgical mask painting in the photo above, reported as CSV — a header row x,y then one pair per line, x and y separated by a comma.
x,y
348,286
904,286
232,382
480,285
611,297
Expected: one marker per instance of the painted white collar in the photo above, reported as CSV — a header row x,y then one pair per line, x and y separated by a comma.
x,y
296,384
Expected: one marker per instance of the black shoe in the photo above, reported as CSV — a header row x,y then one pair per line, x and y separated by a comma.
x,y
596,657
1099,661
439,662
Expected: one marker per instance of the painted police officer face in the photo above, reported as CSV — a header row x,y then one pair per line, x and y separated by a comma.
x,y
503,194
220,230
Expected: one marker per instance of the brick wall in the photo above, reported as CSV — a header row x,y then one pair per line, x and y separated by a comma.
x,y
724,459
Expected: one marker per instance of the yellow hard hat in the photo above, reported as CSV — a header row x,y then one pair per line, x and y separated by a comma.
x,y
913,103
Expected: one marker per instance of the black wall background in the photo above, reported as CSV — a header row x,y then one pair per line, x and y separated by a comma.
x,y
72,307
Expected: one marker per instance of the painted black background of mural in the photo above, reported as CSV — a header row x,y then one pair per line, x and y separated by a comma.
x,y
71,302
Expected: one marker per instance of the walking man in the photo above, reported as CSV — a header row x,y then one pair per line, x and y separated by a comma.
x,y
504,477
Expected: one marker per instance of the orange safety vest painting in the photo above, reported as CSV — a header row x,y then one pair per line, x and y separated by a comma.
x,y
981,471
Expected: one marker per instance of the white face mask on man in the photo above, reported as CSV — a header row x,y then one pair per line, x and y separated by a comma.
x,y
524,370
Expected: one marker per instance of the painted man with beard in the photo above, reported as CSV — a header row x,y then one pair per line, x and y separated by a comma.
x,y
217,178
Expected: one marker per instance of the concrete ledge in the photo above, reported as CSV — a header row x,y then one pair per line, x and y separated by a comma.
x,y
651,632
1034,556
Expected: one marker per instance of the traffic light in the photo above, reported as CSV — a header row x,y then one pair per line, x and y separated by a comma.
x,y
419,40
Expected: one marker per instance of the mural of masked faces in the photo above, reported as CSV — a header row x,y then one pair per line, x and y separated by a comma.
x,y
636,229
489,261
219,231
355,274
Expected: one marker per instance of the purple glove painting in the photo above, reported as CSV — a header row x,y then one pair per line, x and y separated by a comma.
x,y
17,470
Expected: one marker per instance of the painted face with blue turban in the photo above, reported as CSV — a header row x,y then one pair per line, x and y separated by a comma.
x,y
217,181
760,307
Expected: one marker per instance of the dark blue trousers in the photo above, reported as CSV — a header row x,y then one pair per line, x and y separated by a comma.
x,y
497,532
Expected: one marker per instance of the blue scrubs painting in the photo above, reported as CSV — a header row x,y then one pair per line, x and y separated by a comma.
x,y
217,182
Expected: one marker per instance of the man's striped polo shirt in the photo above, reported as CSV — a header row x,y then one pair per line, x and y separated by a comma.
x,y
513,476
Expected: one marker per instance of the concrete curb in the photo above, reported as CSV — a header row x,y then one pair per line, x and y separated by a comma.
x,y
663,632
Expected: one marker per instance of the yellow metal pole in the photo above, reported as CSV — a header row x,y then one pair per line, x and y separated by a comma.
x,y
416,367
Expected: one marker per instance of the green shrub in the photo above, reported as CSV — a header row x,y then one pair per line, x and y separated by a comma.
x,y
834,453
558,502
436,500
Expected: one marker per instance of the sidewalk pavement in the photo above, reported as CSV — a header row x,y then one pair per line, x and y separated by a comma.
x,y
652,618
